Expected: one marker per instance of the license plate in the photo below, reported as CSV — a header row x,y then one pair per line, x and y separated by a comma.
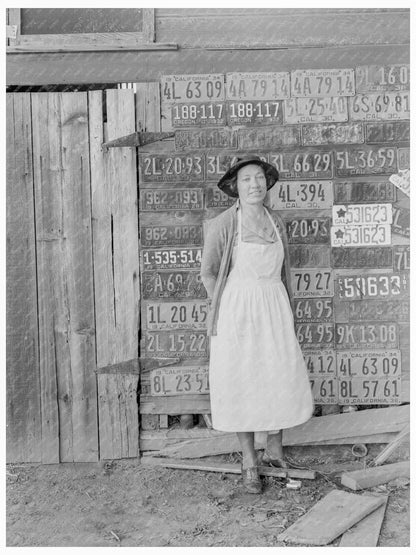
x,y
309,256
386,286
167,259
333,134
179,315
165,284
380,106
182,343
382,78
199,114
324,390
365,161
371,364
179,380
313,310
315,110
378,309
377,391
155,168
256,112
315,335
362,257
401,180
348,191
258,86
312,283
193,88
359,214
269,137
388,132
401,221
171,199
360,235
320,362
308,230
367,335
298,195
401,257
403,158
170,235
217,164
322,82
215,198
193,139
303,165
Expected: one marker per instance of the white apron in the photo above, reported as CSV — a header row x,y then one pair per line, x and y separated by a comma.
x,y
258,377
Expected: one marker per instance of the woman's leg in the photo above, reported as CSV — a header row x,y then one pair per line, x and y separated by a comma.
x,y
247,446
275,445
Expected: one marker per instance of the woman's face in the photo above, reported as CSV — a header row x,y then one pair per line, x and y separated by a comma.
x,y
251,184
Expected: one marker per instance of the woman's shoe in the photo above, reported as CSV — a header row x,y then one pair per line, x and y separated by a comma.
x,y
279,462
251,479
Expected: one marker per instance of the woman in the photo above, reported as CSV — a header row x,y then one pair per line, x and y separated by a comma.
x,y
258,377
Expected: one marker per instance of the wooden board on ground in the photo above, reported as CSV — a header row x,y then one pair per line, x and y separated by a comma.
x,y
365,533
390,448
329,518
374,476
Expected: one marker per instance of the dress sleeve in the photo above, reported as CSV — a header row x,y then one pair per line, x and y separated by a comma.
x,y
212,254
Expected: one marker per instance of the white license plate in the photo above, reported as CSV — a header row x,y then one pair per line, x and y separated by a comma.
x,y
366,335
258,86
316,110
380,106
360,235
372,286
373,391
379,364
358,214
322,82
192,88
298,195
382,78
199,114
312,283
320,362
175,315
324,390
183,380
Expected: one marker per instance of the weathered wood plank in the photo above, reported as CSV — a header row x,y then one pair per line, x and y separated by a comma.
x,y
374,476
63,225
365,533
147,107
391,447
22,350
180,404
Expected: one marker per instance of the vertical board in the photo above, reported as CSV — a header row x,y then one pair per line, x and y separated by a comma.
x,y
116,266
22,358
65,277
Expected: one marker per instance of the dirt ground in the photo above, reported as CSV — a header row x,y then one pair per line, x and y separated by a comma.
x,y
125,503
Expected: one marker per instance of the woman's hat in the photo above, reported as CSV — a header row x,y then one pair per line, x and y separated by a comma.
x,y
227,181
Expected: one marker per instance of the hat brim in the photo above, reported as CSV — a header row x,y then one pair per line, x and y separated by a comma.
x,y
227,180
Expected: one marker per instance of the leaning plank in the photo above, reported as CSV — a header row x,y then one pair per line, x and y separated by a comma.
x,y
374,476
365,533
392,446
180,404
22,351
329,518
228,468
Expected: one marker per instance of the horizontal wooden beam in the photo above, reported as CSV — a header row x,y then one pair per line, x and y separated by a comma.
x,y
86,48
369,477
180,404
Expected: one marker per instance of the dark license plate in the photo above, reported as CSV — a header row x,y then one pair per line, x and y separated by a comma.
x,y
388,132
155,168
315,335
380,106
350,192
309,256
313,310
320,362
360,235
401,221
367,335
176,344
382,78
312,283
193,87
322,82
167,259
258,86
171,199
180,380
362,257
193,139
324,390
199,114
365,161
371,364
217,164
256,112
269,137
377,391
315,110
176,315
170,235
401,257
303,165
386,286
165,284
403,158
332,134
379,309
215,198
298,195
308,230
359,214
